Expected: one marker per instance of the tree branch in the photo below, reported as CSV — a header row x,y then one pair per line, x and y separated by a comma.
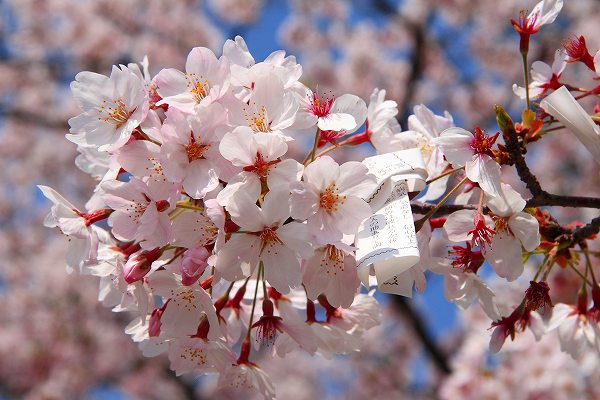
x,y
437,356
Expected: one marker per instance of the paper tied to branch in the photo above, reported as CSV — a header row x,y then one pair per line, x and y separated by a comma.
x,y
386,241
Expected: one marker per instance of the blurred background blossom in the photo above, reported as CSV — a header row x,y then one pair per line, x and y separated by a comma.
x,y
58,342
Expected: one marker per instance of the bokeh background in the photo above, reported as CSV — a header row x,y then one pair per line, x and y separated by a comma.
x,y
58,342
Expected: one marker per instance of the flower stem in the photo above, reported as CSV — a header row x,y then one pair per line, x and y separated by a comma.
x,y
580,274
541,267
440,176
526,75
311,156
589,265
260,268
419,224
183,204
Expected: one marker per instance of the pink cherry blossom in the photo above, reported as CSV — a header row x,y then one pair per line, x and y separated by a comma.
x,y
474,152
112,107
204,82
331,197
267,239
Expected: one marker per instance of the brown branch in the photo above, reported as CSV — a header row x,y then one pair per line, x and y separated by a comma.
x,y
424,208
547,199
438,357
583,232
515,149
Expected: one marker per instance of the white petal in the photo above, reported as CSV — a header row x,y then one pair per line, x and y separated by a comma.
x,y
337,122
456,145
485,171
526,228
504,255
562,105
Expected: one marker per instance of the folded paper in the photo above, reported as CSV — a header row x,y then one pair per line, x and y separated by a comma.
x,y
386,241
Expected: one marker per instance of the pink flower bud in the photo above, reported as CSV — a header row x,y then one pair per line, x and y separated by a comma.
x,y
139,265
154,324
193,265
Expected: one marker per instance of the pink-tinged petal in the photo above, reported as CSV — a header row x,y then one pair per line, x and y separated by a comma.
x,y
276,207
120,195
295,236
170,82
541,72
505,257
237,52
537,326
282,268
322,172
238,257
239,147
301,333
268,93
148,222
161,234
245,213
305,202
343,284
192,229
271,146
285,118
245,182
337,122
435,190
55,197
485,171
201,61
546,11
456,145
282,174
305,119
497,340
351,213
527,229
509,202
122,226
354,180
352,105
315,276
485,296
139,157
200,179
174,160
458,224
323,225
562,105
176,127
560,62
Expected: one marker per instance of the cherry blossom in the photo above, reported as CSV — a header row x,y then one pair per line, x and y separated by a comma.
x,y
112,107
259,161
544,77
345,113
474,152
268,240
331,197
140,211
204,81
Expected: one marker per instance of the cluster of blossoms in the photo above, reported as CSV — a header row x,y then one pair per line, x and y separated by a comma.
x,y
221,244
203,227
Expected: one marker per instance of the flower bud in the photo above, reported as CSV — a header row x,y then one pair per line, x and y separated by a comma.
x,y
139,265
193,265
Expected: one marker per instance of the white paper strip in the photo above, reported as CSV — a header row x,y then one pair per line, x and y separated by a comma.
x,y
386,242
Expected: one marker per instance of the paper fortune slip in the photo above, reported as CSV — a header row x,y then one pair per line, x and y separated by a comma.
x,y
386,241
